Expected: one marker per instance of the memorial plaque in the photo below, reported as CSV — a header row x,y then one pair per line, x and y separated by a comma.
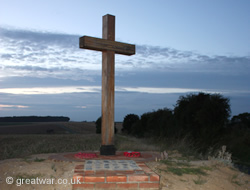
x,y
121,165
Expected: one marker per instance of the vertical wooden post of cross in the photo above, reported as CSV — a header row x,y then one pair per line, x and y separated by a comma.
x,y
109,47
108,91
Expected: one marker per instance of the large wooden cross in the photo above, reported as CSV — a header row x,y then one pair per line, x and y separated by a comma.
x,y
109,47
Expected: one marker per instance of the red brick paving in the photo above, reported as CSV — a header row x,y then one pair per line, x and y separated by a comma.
x,y
106,179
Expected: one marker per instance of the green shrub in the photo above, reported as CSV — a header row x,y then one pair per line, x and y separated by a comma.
x,y
128,121
203,119
202,116
241,121
159,123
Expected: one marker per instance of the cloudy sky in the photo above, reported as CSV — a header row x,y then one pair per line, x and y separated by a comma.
x,y
182,47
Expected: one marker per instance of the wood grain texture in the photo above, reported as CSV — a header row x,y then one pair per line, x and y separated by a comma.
x,y
98,44
108,82
108,96
108,27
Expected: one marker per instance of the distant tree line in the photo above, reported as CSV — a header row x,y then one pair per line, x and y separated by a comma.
x,y
34,119
202,118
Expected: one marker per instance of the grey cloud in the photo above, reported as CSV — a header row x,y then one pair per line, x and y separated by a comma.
x,y
147,50
54,72
50,51
40,38
7,56
31,43
68,60
27,68
178,61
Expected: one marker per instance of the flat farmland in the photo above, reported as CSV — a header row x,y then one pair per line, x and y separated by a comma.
x,y
50,127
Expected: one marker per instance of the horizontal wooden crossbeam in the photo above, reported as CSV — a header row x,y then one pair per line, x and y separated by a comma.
x,y
98,44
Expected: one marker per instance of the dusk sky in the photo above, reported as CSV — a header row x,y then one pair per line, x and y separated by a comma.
x,y
182,47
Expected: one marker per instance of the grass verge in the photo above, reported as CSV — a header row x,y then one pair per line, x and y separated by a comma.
x,y
181,171
179,168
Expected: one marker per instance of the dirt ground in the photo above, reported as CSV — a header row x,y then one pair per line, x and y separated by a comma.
x,y
219,177
36,166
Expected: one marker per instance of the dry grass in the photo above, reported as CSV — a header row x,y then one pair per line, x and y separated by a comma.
x,y
127,143
23,145
19,146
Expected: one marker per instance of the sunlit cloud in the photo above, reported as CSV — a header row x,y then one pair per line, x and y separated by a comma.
x,y
51,90
97,89
81,107
94,89
159,90
12,106
164,90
